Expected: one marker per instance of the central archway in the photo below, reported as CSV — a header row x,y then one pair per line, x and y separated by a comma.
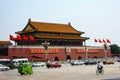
x,y
79,57
56,59
68,57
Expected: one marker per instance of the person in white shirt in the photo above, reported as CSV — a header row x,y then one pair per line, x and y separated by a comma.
x,y
99,67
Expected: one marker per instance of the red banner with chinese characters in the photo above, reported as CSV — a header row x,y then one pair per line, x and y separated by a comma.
x,y
53,50
88,50
92,50
80,50
36,50
41,50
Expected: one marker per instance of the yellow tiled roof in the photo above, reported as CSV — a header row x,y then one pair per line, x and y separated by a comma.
x,y
52,27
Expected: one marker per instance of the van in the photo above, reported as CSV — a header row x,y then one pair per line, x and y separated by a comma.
x,y
18,61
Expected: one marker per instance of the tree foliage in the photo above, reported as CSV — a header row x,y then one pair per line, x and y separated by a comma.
x,y
115,49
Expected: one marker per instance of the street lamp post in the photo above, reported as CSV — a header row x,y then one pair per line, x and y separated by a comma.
x,y
105,49
45,44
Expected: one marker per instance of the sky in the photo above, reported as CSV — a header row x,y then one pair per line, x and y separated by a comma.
x,y
99,19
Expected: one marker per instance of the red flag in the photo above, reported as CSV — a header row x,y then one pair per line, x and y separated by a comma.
x,y
108,41
11,37
100,41
19,37
32,38
25,38
95,40
104,41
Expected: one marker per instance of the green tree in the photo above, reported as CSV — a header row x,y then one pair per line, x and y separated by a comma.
x,y
115,49
119,50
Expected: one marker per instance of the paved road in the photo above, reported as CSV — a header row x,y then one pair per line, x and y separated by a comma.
x,y
66,72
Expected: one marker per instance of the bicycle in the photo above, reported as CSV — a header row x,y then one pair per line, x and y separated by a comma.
x,y
100,71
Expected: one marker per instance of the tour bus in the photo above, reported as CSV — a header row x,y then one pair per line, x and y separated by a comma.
x,y
16,62
7,62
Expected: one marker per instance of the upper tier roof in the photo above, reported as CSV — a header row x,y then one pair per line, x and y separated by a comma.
x,y
50,27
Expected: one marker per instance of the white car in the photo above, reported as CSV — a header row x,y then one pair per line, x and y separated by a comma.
x,y
77,62
38,64
82,62
4,68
